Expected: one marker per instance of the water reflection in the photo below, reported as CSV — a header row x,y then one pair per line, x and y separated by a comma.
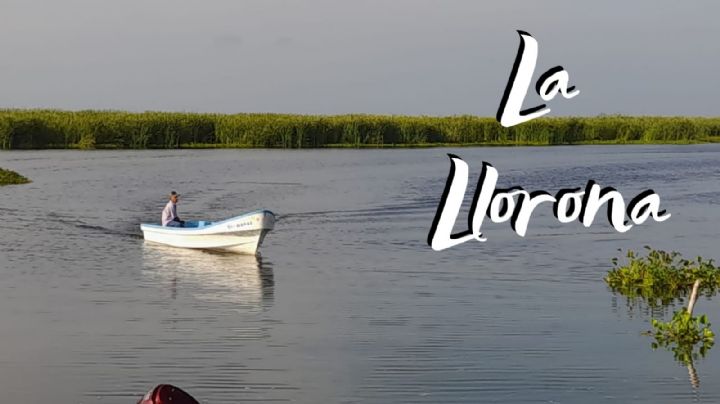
x,y
685,355
638,306
368,313
242,280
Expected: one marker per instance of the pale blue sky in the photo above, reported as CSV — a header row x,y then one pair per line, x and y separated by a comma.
x,y
366,56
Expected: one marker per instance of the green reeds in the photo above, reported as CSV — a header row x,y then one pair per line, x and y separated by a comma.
x,y
37,129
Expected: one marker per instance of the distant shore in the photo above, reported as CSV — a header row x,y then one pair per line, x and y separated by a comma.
x,y
54,129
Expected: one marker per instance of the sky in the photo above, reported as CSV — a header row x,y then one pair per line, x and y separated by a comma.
x,y
415,57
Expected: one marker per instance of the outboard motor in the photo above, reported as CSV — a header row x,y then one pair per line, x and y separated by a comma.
x,y
167,394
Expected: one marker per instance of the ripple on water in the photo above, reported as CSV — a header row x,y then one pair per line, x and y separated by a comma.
x,y
348,303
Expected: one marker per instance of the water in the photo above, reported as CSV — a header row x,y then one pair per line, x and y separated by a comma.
x,y
348,304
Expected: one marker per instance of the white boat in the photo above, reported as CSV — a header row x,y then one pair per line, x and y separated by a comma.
x,y
241,234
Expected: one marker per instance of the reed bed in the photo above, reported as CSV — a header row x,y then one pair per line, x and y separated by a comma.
x,y
8,177
40,129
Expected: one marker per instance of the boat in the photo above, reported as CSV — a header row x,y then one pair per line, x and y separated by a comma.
x,y
242,234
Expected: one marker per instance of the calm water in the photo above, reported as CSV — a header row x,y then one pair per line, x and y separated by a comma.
x,y
347,304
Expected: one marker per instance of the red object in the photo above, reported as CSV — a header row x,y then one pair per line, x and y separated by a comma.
x,y
167,394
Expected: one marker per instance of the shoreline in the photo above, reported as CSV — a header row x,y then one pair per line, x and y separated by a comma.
x,y
55,129
210,146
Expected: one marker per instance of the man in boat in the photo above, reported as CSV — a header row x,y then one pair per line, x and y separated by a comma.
x,y
169,214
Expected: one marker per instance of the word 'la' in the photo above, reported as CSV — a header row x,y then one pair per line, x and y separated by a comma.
x,y
500,205
548,85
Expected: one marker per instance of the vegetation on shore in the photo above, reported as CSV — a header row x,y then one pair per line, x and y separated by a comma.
x,y
36,129
8,177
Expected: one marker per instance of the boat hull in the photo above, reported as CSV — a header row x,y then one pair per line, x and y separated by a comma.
x,y
242,234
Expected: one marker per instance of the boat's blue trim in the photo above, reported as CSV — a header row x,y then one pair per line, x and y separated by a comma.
x,y
212,224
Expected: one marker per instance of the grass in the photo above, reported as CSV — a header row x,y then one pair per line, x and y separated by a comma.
x,y
8,177
40,129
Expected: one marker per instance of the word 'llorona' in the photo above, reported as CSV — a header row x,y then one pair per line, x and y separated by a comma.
x,y
517,205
